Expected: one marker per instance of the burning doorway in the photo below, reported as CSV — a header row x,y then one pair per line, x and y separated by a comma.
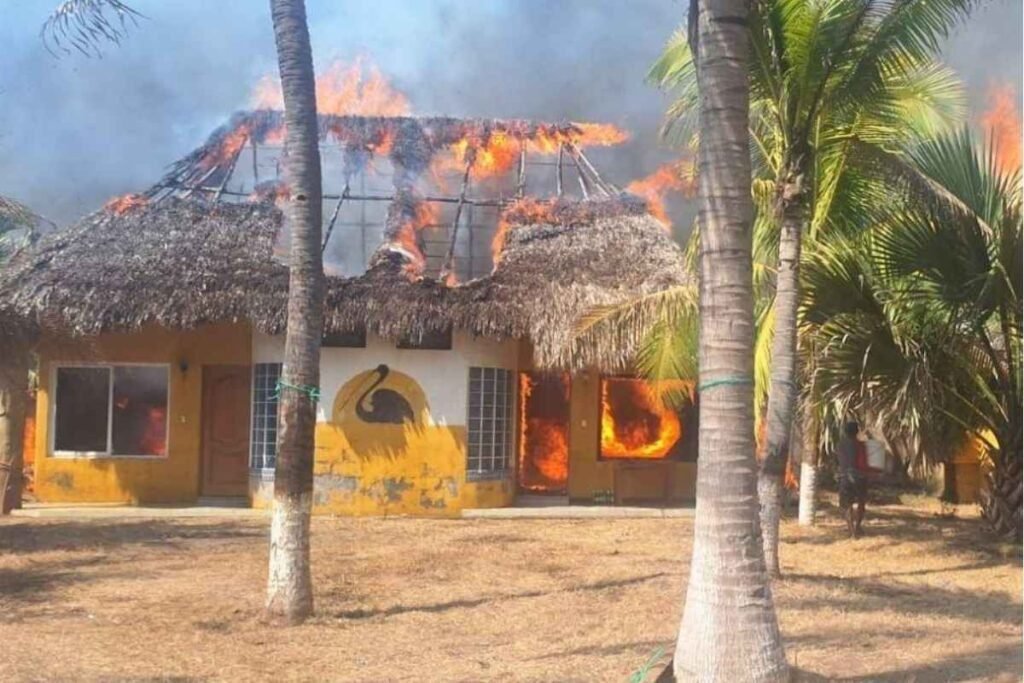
x,y
636,423
543,432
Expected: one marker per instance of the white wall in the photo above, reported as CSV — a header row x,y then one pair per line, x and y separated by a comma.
x,y
443,375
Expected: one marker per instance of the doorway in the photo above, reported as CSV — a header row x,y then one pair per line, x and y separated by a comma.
x,y
543,433
225,430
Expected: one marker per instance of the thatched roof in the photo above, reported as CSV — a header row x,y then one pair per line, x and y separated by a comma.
x,y
183,263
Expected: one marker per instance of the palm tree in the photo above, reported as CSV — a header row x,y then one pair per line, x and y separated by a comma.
x,y
19,227
824,75
289,584
729,630
919,319
84,25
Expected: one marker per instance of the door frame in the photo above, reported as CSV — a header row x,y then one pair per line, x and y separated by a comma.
x,y
201,470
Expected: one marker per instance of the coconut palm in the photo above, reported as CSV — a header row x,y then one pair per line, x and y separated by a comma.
x,y
729,630
825,74
87,24
919,320
289,584
19,227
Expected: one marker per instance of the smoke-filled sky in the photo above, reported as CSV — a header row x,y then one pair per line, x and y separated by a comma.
x,y
75,131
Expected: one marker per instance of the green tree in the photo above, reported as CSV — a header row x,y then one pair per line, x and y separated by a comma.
x,y
828,78
919,318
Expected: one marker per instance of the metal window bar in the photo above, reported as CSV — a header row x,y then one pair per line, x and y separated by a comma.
x,y
489,422
263,444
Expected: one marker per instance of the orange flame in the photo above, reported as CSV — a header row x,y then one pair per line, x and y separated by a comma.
x,y
531,209
228,148
125,203
1002,121
425,215
154,439
341,89
635,423
673,177
500,151
543,436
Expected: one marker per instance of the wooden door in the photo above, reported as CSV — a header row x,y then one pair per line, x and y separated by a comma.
x,y
225,429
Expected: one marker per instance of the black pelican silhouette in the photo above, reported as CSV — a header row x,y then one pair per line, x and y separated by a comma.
x,y
386,405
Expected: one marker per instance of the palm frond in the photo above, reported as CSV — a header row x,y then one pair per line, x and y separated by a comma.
x,y
86,25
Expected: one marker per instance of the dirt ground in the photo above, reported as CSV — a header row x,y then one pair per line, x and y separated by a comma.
x,y
921,598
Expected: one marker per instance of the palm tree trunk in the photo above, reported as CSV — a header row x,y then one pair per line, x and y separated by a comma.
x,y
1001,501
729,631
782,389
14,367
808,467
289,584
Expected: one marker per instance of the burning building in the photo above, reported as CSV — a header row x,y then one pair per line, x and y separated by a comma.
x,y
459,253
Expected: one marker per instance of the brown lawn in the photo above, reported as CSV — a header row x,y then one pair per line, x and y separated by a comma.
x,y
922,598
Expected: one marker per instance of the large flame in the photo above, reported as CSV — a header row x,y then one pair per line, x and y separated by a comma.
x,y
496,153
341,89
677,176
543,433
635,422
1002,122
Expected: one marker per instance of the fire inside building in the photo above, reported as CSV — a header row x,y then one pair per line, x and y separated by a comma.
x,y
459,253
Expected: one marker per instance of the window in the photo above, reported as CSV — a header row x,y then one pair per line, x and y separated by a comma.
x,y
489,422
264,415
430,340
354,339
111,410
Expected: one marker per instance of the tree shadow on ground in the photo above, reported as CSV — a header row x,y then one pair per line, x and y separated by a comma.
x,y
870,594
22,538
483,600
976,666
45,558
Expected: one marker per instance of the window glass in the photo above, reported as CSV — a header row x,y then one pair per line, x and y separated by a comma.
x,y
139,423
81,417
489,421
264,415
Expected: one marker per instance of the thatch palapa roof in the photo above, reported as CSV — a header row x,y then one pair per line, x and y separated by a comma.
x,y
190,252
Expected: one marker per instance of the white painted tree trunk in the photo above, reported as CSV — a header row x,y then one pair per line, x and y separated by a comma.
x,y
808,466
289,591
808,493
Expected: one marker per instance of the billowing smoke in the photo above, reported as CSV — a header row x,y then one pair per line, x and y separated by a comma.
x,y
76,131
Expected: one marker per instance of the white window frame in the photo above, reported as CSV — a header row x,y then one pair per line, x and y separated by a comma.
x,y
106,455
509,419
263,470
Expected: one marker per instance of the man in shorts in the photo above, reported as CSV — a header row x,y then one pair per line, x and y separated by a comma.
x,y
853,480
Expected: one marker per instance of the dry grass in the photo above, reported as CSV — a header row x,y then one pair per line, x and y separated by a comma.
x,y
919,599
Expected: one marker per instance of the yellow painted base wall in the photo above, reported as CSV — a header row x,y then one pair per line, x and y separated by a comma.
x,y
170,479
404,470
589,476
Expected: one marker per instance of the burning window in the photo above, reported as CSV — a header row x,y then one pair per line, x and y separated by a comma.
x,y
636,423
543,432
111,410
264,415
489,421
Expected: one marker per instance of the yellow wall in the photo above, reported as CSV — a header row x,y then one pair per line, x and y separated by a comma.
x,y
415,468
590,476
966,473
174,478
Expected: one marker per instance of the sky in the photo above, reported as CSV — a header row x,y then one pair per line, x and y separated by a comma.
x,y
75,131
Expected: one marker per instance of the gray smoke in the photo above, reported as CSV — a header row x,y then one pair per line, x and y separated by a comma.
x,y
76,131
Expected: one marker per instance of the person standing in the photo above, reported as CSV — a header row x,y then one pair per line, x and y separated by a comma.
x,y
851,455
